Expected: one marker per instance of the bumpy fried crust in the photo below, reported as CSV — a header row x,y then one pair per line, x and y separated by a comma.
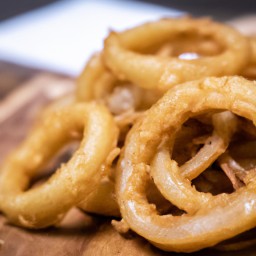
x,y
72,182
130,54
98,83
214,218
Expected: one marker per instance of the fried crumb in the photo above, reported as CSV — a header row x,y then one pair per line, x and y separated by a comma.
x,y
120,226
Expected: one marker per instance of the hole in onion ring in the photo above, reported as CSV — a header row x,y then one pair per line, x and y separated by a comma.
x,y
190,42
163,206
213,181
46,171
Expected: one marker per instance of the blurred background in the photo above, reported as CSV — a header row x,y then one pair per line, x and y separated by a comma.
x,y
61,35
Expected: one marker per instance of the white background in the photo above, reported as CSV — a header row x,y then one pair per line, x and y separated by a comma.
x,y
63,35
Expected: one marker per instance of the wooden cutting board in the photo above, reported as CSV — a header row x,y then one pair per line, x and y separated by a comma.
x,y
23,93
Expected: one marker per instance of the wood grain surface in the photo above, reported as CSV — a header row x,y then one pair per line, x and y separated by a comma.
x,y
23,94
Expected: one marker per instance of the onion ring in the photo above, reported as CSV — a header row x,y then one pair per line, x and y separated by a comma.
x,y
225,124
226,164
215,220
94,76
123,53
46,204
250,71
97,83
103,200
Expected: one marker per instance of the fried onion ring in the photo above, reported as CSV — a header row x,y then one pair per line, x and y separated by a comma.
x,y
97,83
129,54
94,77
225,124
215,218
103,199
45,205
250,71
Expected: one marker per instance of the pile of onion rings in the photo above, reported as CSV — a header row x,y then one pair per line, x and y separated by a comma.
x,y
166,117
